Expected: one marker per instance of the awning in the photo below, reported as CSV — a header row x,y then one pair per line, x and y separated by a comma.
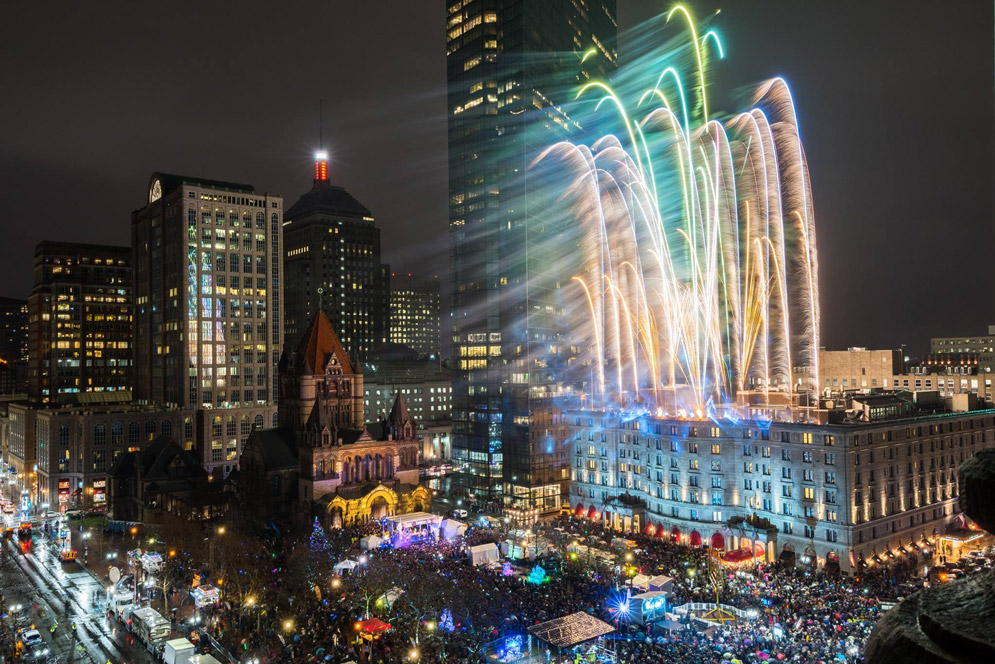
x,y
372,626
737,555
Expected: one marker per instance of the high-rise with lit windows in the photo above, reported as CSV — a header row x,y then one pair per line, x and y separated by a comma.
x,y
332,262
208,306
13,345
511,68
414,313
79,322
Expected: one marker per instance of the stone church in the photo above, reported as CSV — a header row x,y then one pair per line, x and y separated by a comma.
x,y
322,459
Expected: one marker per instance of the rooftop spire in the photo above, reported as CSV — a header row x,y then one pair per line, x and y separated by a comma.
x,y
321,156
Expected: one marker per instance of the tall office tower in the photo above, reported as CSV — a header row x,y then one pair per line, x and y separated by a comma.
x,y
13,330
79,322
332,262
512,66
414,313
208,298
13,345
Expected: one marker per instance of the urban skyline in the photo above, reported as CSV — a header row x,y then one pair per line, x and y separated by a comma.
x,y
547,331
876,175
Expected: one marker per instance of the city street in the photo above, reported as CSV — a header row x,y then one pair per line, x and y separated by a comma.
x,y
50,591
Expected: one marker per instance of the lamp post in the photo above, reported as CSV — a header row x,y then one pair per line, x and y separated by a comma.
x,y
210,547
251,603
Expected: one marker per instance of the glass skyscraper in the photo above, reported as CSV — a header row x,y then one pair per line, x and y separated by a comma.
x,y
512,68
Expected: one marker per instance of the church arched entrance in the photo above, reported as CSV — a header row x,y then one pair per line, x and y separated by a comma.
x,y
379,508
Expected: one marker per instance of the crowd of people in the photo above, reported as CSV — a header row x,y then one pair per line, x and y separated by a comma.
x,y
442,609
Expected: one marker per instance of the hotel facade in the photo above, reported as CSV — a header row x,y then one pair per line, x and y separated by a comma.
x,y
850,494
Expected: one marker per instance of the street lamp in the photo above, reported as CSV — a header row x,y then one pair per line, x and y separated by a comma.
x,y
251,603
220,531
288,625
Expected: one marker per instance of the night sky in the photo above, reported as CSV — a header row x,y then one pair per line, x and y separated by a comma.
x,y
895,103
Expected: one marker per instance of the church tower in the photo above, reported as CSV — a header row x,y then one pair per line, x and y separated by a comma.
x,y
318,381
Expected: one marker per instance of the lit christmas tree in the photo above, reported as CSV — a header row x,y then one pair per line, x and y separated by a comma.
x,y
446,621
318,546
318,541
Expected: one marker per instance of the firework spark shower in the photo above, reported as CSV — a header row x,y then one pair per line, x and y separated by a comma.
x,y
696,274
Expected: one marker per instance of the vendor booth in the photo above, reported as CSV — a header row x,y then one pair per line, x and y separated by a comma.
x,y
527,546
484,554
205,596
662,583
345,566
584,553
151,561
370,542
512,549
648,607
451,529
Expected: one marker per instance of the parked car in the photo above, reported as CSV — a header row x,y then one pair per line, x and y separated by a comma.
x,y
459,514
74,514
31,638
